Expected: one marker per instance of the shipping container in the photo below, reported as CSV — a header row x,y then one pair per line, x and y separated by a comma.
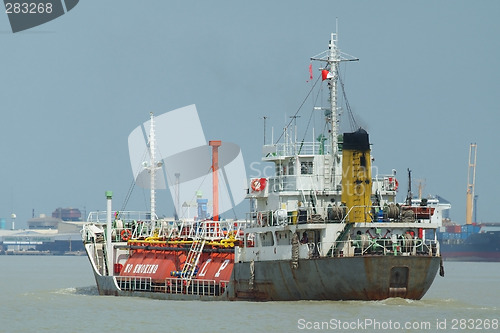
x,y
468,228
452,229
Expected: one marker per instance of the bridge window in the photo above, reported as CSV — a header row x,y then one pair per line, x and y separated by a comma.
x,y
306,167
266,238
283,237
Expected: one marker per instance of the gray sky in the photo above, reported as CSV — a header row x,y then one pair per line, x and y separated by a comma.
x,y
72,90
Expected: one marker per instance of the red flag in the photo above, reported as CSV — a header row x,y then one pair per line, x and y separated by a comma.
x,y
310,71
325,74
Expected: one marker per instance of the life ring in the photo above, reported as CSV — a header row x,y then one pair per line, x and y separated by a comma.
x,y
258,184
126,234
393,184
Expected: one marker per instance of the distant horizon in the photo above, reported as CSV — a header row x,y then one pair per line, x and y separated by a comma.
x,y
424,88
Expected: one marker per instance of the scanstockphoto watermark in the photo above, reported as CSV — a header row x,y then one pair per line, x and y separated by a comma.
x,y
267,169
354,180
372,324
26,14
363,324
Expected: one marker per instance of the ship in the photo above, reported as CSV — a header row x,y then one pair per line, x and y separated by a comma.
x,y
461,242
323,227
470,242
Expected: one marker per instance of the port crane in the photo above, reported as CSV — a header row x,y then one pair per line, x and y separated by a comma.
x,y
471,182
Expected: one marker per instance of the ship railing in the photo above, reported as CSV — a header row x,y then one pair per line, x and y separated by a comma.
x,y
378,246
206,230
134,283
156,228
198,287
385,182
209,229
259,219
124,230
374,213
126,216
287,180
407,214
367,212
133,224
270,152
91,232
166,228
283,182
126,224
268,218
371,213
178,229
130,225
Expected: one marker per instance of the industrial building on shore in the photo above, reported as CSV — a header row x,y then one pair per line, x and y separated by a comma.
x,y
58,234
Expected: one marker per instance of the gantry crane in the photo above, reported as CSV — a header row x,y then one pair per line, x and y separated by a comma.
x,y
471,181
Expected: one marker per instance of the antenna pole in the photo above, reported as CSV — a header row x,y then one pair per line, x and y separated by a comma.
x,y
177,196
265,118
152,167
295,126
409,195
109,245
215,178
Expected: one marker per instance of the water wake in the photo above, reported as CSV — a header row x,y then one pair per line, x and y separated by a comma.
x,y
88,291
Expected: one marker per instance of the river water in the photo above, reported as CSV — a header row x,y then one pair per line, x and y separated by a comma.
x,y
58,294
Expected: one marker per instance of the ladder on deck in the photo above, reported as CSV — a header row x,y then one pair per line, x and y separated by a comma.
x,y
193,257
341,238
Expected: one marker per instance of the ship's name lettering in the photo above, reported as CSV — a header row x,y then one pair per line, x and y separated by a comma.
x,y
141,269
204,268
222,266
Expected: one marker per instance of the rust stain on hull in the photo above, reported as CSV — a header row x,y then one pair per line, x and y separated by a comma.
x,y
362,278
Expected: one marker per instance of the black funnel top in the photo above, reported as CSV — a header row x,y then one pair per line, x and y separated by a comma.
x,y
356,140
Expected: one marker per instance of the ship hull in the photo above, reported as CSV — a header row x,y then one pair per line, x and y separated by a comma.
x,y
457,255
470,252
344,278
347,278
477,247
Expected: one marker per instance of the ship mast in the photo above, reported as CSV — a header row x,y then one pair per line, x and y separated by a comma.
x,y
333,56
153,165
333,60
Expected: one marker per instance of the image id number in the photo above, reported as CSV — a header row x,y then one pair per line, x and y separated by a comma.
x,y
474,324
28,8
